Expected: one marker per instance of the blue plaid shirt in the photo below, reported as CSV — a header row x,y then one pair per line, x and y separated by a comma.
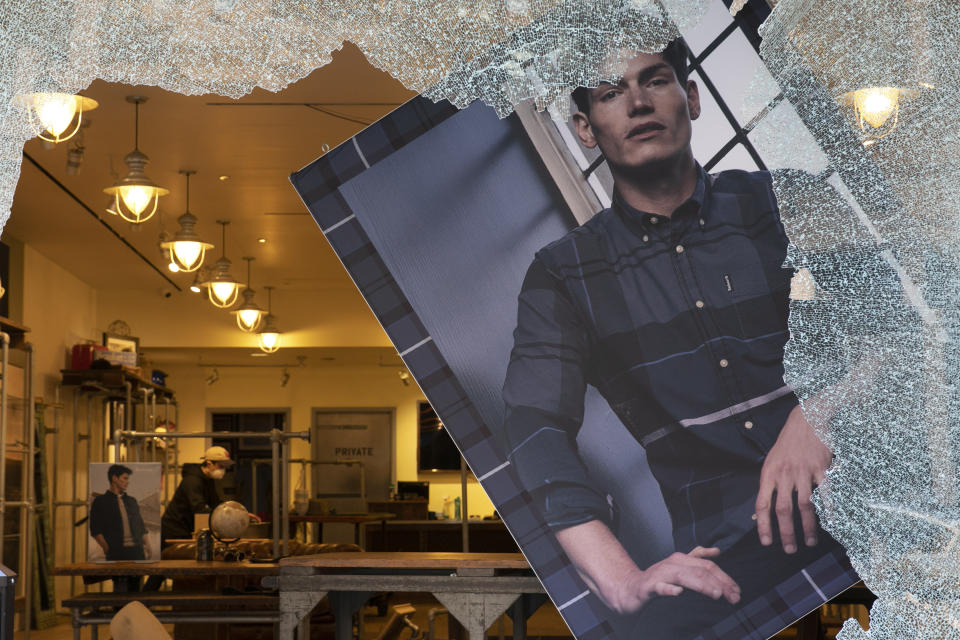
x,y
680,323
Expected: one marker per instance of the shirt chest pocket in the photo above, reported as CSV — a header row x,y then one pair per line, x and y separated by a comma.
x,y
754,302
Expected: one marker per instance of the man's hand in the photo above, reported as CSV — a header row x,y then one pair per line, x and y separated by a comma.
x,y
100,540
611,573
671,576
796,462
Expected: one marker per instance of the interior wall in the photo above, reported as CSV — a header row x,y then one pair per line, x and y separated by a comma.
x,y
60,311
309,388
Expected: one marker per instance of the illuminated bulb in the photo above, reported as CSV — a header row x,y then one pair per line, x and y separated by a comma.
x,y
55,111
53,114
249,319
187,254
223,294
269,341
173,267
875,105
195,288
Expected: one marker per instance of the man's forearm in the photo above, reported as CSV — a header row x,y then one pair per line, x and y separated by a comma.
x,y
599,558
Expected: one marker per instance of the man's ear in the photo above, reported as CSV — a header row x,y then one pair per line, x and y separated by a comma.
x,y
584,131
693,99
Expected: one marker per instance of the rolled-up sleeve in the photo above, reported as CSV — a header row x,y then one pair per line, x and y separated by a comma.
x,y
543,393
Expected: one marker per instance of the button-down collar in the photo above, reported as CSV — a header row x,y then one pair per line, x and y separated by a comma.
x,y
694,207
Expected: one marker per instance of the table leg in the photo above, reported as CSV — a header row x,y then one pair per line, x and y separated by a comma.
x,y
525,606
344,605
295,608
76,623
475,611
94,631
319,532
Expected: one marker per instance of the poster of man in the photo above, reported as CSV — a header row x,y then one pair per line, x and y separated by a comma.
x,y
615,381
124,516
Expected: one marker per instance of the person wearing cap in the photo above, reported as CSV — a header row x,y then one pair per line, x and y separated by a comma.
x,y
197,493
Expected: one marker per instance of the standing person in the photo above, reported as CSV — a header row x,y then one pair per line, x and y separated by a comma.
x,y
674,305
116,524
196,493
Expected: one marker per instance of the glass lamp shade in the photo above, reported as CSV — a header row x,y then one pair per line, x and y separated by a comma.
x,y
186,249
875,105
187,254
223,294
249,319
269,341
269,337
56,117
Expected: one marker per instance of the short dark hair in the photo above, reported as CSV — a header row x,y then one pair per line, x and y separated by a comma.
x,y
676,54
117,470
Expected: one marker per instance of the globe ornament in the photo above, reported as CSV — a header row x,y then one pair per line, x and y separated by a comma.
x,y
229,521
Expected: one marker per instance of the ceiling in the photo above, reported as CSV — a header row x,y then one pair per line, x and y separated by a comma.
x,y
256,145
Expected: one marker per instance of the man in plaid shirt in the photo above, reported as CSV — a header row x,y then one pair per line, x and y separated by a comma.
x,y
674,305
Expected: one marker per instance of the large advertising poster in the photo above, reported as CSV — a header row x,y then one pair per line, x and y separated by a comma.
x,y
124,515
620,436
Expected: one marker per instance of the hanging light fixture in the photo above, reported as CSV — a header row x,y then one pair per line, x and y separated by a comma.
x,y
55,117
269,336
223,288
186,248
248,314
136,196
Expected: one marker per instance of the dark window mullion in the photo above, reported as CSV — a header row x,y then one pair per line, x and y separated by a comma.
x,y
740,135
716,43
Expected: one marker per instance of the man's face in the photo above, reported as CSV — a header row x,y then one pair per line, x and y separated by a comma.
x,y
119,483
643,120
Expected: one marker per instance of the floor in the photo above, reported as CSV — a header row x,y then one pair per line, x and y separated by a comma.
x,y
545,624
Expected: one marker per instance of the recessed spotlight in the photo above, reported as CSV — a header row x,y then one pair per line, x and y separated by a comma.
x,y
262,240
224,178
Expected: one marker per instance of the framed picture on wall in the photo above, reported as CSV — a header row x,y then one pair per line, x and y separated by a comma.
x,y
127,344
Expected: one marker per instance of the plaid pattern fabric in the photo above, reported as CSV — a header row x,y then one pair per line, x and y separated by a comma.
x,y
680,323
788,601
317,185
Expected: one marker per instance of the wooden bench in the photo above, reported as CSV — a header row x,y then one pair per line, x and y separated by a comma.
x,y
92,609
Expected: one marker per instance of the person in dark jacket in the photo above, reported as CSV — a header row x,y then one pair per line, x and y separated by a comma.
x,y
115,521
117,526
196,493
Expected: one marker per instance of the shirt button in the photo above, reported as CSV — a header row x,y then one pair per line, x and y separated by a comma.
x,y
653,220
724,363
646,238
679,248
699,304
702,222
748,425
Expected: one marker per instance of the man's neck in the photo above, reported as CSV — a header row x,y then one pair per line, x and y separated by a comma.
x,y
116,491
661,190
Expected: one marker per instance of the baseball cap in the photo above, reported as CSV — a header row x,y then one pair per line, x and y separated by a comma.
x,y
217,454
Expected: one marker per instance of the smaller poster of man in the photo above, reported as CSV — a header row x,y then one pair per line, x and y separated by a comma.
x,y
124,511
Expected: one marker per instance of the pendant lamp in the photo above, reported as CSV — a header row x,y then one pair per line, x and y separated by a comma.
x,y
269,336
136,196
186,248
223,288
248,313
55,117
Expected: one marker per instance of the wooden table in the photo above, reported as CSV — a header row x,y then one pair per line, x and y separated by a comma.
x,y
87,609
476,588
358,520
